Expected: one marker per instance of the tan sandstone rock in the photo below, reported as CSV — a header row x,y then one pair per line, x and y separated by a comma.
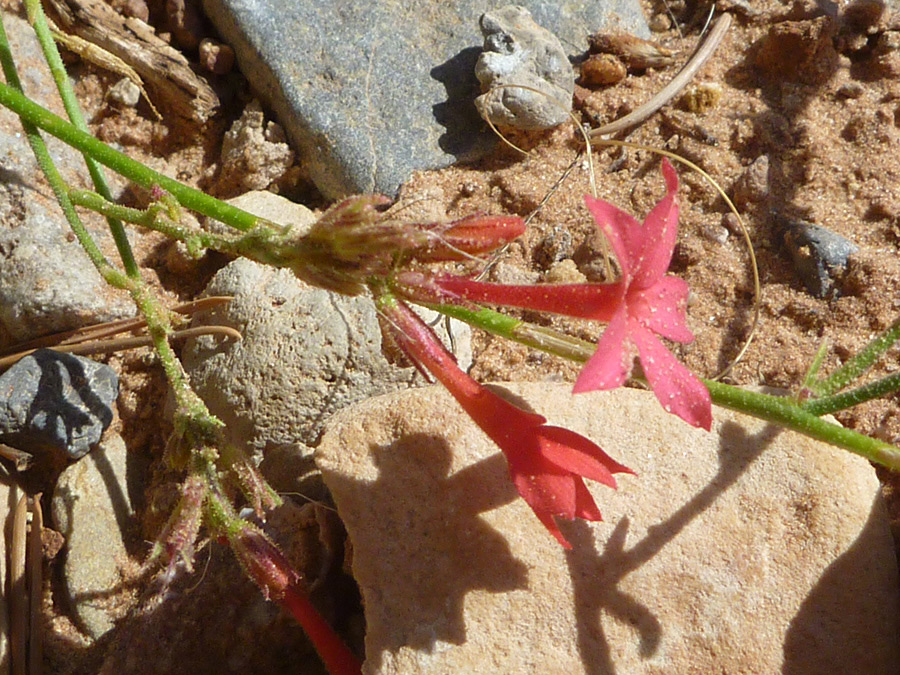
x,y
747,549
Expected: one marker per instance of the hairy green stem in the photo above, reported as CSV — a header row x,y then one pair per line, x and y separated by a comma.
x,y
60,190
262,244
859,364
73,110
191,198
784,411
779,409
830,404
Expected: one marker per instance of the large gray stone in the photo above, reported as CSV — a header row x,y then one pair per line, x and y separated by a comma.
x,y
305,354
743,550
370,91
47,282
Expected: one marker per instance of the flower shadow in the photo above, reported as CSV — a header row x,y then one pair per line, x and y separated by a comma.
x,y
596,575
422,603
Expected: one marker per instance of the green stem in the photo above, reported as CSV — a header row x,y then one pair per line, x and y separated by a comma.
x,y
778,409
830,404
783,411
109,273
262,244
33,114
151,219
859,364
73,110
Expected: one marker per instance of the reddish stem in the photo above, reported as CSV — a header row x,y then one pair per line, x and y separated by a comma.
x,y
338,659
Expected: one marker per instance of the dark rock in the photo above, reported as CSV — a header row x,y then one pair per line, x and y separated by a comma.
x,y
819,255
58,401
370,91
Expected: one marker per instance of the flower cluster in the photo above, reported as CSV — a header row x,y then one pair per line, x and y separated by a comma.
x,y
547,464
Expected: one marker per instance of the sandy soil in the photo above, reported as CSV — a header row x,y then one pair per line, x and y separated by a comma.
x,y
818,97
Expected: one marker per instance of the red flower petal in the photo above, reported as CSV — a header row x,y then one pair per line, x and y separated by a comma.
x,y
577,454
653,252
621,230
587,301
610,365
677,389
661,309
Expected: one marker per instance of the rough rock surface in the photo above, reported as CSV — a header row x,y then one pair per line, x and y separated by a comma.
x,y
517,51
93,511
305,352
47,283
255,153
54,400
364,103
733,551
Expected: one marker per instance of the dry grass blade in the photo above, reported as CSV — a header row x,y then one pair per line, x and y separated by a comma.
x,y
672,89
18,592
96,339
34,567
20,458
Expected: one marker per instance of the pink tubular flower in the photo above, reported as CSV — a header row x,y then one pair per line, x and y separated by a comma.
x,y
547,464
644,303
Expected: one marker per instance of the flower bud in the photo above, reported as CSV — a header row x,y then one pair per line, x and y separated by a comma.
x,y
469,236
263,562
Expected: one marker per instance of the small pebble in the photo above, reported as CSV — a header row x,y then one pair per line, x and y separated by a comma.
x,y
125,93
850,90
57,401
716,233
753,185
819,255
731,223
864,15
216,57
660,23
601,70
137,9
565,272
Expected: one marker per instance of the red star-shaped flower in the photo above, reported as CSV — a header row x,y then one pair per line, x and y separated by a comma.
x,y
643,304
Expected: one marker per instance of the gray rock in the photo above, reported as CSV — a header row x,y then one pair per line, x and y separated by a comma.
x,y
519,52
55,400
819,255
370,91
305,354
92,509
47,283
746,549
